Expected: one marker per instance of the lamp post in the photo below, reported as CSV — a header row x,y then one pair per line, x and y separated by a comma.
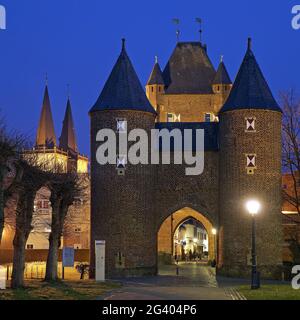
x,y
214,232
253,208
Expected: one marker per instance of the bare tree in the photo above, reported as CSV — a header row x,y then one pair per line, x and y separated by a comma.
x,y
33,178
291,164
65,189
11,144
291,147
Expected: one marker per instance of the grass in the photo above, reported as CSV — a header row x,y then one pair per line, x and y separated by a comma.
x,y
61,290
270,292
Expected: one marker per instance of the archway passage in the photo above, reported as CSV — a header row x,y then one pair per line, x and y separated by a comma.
x,y
183,233
190,241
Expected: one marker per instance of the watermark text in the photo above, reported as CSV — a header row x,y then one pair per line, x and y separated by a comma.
x,y
296,18
296,279
158,147
2,18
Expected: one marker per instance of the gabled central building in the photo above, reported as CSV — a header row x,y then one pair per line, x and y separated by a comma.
x,y
189,89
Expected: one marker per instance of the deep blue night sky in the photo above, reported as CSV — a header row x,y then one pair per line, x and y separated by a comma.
x,y
78,41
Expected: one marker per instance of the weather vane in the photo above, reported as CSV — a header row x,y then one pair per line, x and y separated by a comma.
x,y
199,21
177,23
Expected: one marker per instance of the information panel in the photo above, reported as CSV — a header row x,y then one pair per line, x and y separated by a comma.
x,y
68,256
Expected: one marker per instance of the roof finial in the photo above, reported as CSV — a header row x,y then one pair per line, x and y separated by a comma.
x,y
123,44
199,21
46,78
176,21
249,43
156,59
222,58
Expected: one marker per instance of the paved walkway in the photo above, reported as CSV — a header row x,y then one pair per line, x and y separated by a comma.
x,y
194,282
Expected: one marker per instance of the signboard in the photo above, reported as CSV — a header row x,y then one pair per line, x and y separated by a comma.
x,y
2,278
68,255
100,260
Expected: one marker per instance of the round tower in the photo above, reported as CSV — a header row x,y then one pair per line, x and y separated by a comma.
x,y
121,194
250,168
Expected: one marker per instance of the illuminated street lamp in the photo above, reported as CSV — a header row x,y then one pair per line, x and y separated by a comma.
x,y
214,232
253,208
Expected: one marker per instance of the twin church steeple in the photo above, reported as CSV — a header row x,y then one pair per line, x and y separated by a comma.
x,y
46,137
64,152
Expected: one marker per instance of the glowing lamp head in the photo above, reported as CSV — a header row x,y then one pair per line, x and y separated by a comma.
x,y
253,207
195,240
214,231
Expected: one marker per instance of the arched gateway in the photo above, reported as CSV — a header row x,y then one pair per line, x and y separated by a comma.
x,y
175,244
242,159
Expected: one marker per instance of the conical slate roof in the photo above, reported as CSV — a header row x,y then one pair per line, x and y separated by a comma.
x,y
67,140
189,70
46,134
156,76
222,76
250,89
123,90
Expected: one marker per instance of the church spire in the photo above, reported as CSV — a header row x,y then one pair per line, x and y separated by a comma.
x,y
46,134
67,140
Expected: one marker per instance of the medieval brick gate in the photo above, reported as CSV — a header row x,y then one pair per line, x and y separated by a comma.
x,y
130,203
